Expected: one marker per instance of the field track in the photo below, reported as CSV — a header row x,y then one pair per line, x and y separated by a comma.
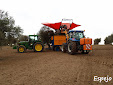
x,y
55,68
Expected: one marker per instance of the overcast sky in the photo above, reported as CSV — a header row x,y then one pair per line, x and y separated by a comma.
x,y
94,16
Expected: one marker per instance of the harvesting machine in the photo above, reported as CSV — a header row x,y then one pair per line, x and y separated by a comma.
x,y
69,40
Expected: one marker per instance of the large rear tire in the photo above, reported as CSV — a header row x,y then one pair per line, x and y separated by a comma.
x,y
38,47
72,48
21,49
63,48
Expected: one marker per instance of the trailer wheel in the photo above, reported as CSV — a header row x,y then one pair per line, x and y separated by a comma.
x,y
57,48
38,47
63,48
72,48
21,49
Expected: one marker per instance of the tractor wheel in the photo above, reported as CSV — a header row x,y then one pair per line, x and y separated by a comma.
x,y
63,48
21,49
72,48
38,47
57,48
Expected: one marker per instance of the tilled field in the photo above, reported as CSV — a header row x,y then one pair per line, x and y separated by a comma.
x,y
55,68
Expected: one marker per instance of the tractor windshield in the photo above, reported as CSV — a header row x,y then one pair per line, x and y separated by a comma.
x,y
33,38
76,35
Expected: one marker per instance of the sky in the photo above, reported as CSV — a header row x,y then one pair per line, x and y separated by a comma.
x,y
94,16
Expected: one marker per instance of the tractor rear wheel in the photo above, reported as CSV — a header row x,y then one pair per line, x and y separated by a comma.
x,y
21,49
63,48
72,48
38,47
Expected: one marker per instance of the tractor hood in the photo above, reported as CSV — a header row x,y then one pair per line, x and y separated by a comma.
x,y
23,42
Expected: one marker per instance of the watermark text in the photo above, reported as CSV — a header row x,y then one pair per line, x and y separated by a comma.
x,y
100,79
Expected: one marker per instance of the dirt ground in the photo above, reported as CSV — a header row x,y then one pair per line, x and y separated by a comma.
x,y
55,68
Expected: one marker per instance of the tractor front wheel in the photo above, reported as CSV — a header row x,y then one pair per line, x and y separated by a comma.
x,y
38,47
72,48
21,49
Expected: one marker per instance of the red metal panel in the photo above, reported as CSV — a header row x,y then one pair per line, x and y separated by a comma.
x,y
73,25
57,25
53,25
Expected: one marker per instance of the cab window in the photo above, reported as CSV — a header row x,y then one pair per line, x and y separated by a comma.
x,y
33,38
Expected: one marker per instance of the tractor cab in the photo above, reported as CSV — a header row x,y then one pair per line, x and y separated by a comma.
x,y
75,35
33,38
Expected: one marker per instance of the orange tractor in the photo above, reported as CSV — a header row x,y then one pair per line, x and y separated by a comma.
x,y
69,40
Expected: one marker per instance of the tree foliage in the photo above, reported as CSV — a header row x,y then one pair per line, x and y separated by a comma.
x,y
23,38
45,34
96,41
8,31
1,38
109,39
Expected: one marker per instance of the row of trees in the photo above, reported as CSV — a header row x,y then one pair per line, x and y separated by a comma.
x,y
96,41
107,40
9,33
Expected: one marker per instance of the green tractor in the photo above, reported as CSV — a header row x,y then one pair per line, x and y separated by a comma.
x,y
34,43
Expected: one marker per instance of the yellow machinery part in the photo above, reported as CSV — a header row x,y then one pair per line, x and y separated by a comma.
x,y
21,49
38,47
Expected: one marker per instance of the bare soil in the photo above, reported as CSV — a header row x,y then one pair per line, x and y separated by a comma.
x,y
55,68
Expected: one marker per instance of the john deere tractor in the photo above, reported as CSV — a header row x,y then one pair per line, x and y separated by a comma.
x,y
34,43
